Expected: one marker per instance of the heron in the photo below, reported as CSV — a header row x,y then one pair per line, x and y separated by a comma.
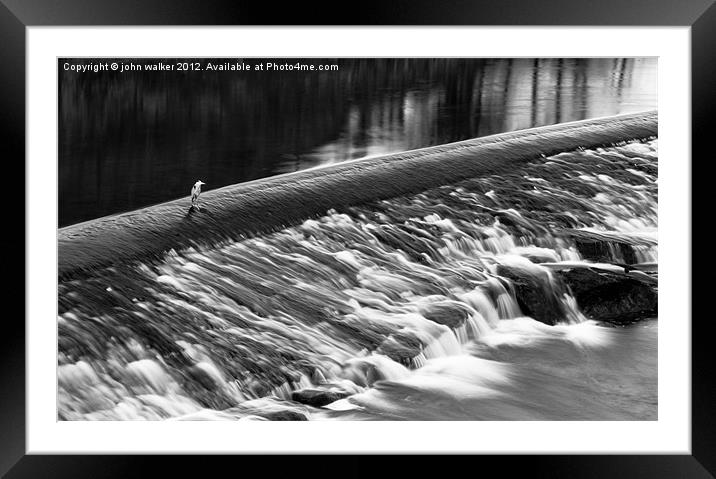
x,y
195,192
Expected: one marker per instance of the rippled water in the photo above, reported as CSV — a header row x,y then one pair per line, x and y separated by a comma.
x,y
400,309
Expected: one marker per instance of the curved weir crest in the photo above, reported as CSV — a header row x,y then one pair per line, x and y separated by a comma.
x,y
270,204
456,301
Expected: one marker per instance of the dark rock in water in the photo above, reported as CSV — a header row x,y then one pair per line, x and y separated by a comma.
x,y
283,415
539,257
605,251
535,294
401,348
447,313
610,296
317,397
606,247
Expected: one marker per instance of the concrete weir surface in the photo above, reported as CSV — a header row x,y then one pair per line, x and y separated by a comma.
x,y
272,203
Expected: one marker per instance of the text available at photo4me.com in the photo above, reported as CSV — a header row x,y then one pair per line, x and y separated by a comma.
x,y
195,65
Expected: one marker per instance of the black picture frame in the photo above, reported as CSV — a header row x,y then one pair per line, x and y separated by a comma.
x,y
16,15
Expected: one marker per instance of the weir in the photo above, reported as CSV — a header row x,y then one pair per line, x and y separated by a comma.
x,y
273,203
459,301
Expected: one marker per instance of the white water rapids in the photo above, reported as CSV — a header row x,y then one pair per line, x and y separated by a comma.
x,y
400,310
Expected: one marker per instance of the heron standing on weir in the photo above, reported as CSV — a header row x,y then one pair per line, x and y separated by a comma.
x,y
195,192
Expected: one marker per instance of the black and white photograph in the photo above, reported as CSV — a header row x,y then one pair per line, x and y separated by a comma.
x,y
357,239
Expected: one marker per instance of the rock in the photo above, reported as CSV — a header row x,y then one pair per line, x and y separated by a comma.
x,y
536,254
606,251
317,397
401,348
283,415
450,314
610,296
607,247
535,294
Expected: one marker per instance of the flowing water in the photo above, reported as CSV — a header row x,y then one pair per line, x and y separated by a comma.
x,y
396,310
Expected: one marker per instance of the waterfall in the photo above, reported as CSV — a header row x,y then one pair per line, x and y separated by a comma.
x,y
378,293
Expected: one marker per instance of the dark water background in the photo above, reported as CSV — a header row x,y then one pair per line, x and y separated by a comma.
x,y
132,139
